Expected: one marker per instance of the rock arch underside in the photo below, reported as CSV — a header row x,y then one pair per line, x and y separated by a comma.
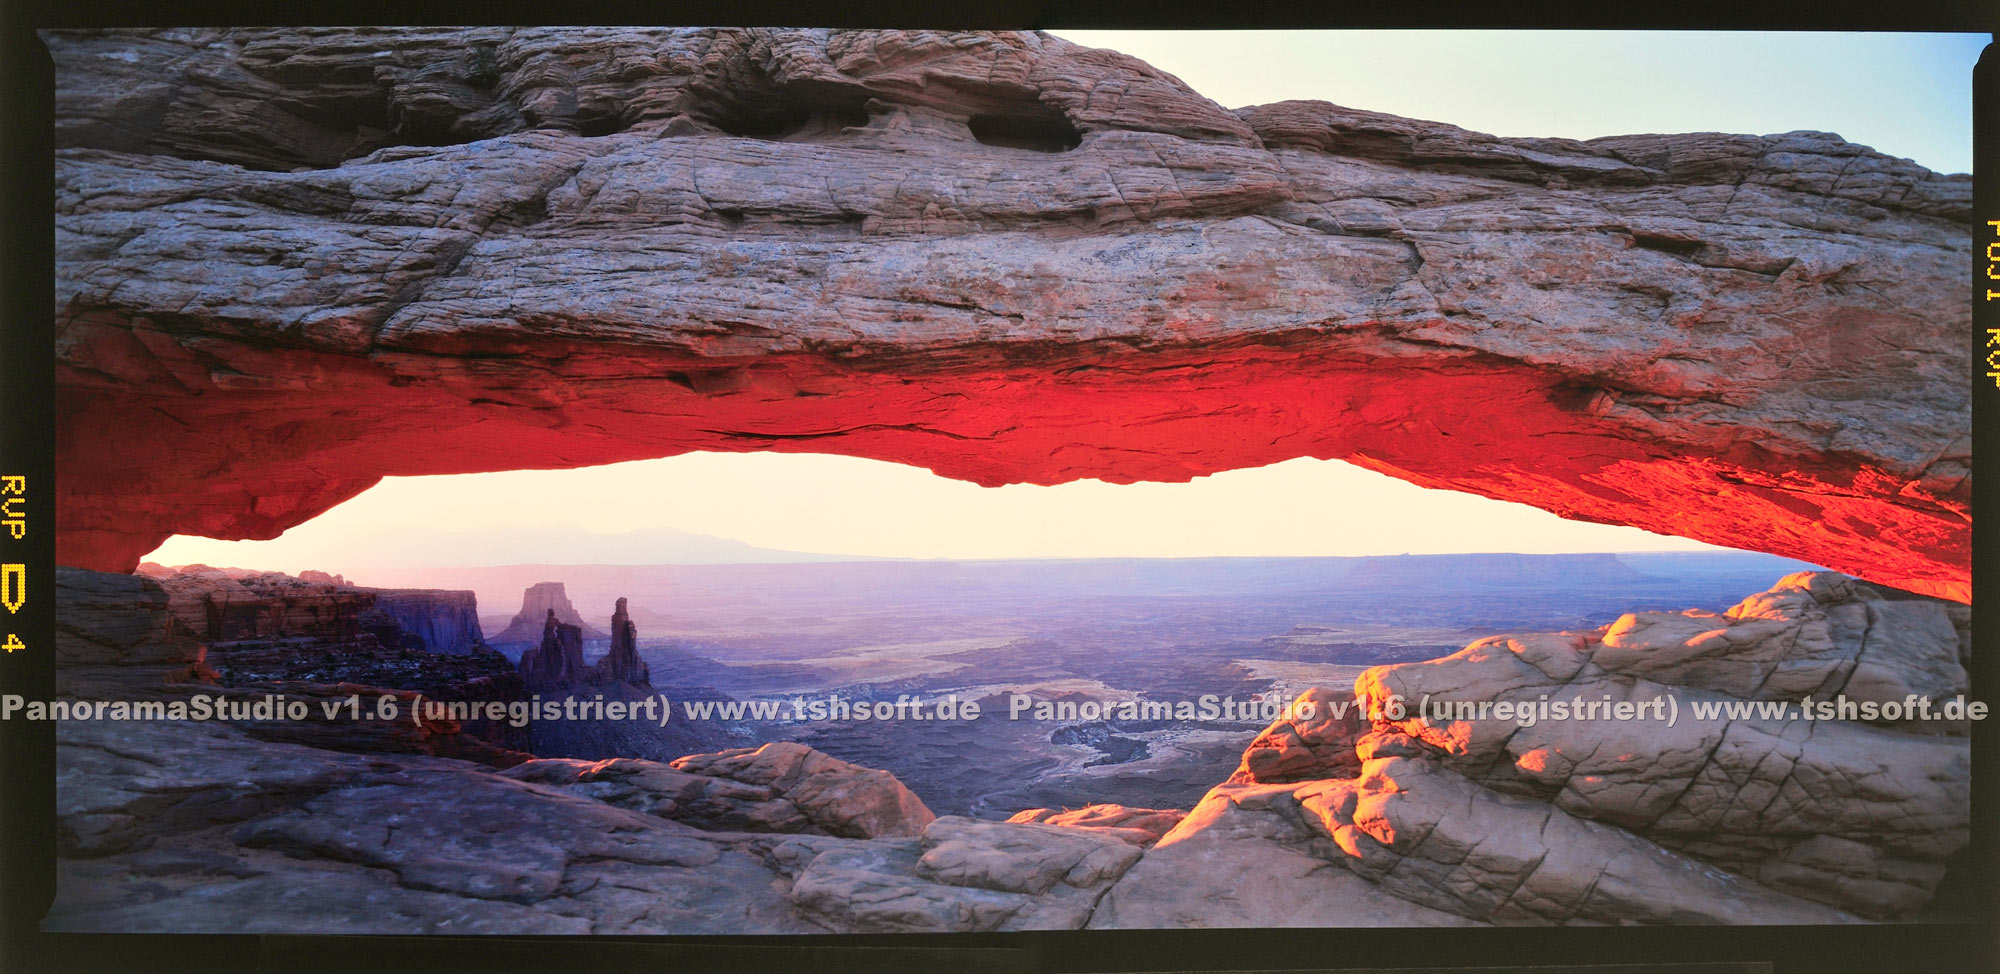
x,y
292,262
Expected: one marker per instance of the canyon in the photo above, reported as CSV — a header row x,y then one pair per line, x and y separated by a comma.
x,y
291,262
1354,818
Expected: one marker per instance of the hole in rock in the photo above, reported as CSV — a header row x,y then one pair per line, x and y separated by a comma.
x,y
525,213
600,125
777,123
1031,126
766,575
1677,246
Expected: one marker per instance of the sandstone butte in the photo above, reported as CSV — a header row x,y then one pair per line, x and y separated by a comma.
x,y
291,262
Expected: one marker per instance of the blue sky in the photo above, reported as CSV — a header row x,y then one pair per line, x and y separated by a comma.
x,y
1908,95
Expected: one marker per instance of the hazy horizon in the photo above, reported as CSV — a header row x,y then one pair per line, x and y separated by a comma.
x,y
661,585
823,506
831,559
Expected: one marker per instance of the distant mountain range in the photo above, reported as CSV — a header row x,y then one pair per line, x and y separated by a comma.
x,y
1488,570
652,546
483,551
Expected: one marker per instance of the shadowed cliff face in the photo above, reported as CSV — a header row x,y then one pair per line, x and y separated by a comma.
x,y
439,621
292,262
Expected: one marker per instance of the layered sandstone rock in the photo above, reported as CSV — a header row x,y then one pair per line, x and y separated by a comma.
x,y
540,601
227,604
179,827
1765,796
260,626
1425,837
782,787
557,661
270,837
622,664
127,638
960,875
1314,743
115,631
837,797
1139,826
1663,817
290,262
434,620
555,669
703,801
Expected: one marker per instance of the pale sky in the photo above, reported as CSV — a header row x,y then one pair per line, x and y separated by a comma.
x,y
1904,94
851,506
1908,95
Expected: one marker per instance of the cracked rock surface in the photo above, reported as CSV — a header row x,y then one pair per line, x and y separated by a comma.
x,y
1641,820
290,262
1139,826
778,787
201,828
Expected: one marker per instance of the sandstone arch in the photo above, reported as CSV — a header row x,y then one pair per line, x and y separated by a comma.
x,y
292,262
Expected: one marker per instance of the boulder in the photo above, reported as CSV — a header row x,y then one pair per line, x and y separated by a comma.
x,y
837,797
1139,826
1317,741
703,801
1243,868
963,875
